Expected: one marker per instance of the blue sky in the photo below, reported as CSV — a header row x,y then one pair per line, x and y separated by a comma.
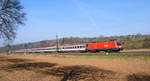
x,y
83,18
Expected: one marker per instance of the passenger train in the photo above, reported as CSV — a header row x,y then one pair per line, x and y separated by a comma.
x,y
108,46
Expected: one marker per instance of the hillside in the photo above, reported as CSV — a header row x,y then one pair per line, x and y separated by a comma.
x,y
137,41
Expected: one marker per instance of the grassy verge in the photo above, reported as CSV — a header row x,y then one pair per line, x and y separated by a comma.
x,y
136,51
90,56
109,57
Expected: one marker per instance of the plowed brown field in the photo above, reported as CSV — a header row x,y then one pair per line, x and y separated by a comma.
x,y
62,68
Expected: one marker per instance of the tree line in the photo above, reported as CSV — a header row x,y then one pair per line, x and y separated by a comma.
x,y
137,41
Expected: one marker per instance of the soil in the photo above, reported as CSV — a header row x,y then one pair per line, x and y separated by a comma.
x,y
62,68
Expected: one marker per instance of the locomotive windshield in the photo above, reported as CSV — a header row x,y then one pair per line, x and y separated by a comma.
x,y
118,43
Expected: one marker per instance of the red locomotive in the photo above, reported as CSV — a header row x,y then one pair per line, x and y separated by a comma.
x,y
105,46
108,46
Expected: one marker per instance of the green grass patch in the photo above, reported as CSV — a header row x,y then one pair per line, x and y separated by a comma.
x,y
110,57
147,51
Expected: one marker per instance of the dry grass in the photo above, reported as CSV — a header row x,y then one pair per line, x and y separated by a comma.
x,y
50,68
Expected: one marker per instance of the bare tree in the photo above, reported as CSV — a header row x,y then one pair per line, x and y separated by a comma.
x,y
11,16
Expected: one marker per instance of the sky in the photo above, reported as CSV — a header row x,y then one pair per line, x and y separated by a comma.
x,y
82,18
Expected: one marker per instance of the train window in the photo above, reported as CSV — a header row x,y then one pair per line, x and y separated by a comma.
x,y
86,45
68,47
49,48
